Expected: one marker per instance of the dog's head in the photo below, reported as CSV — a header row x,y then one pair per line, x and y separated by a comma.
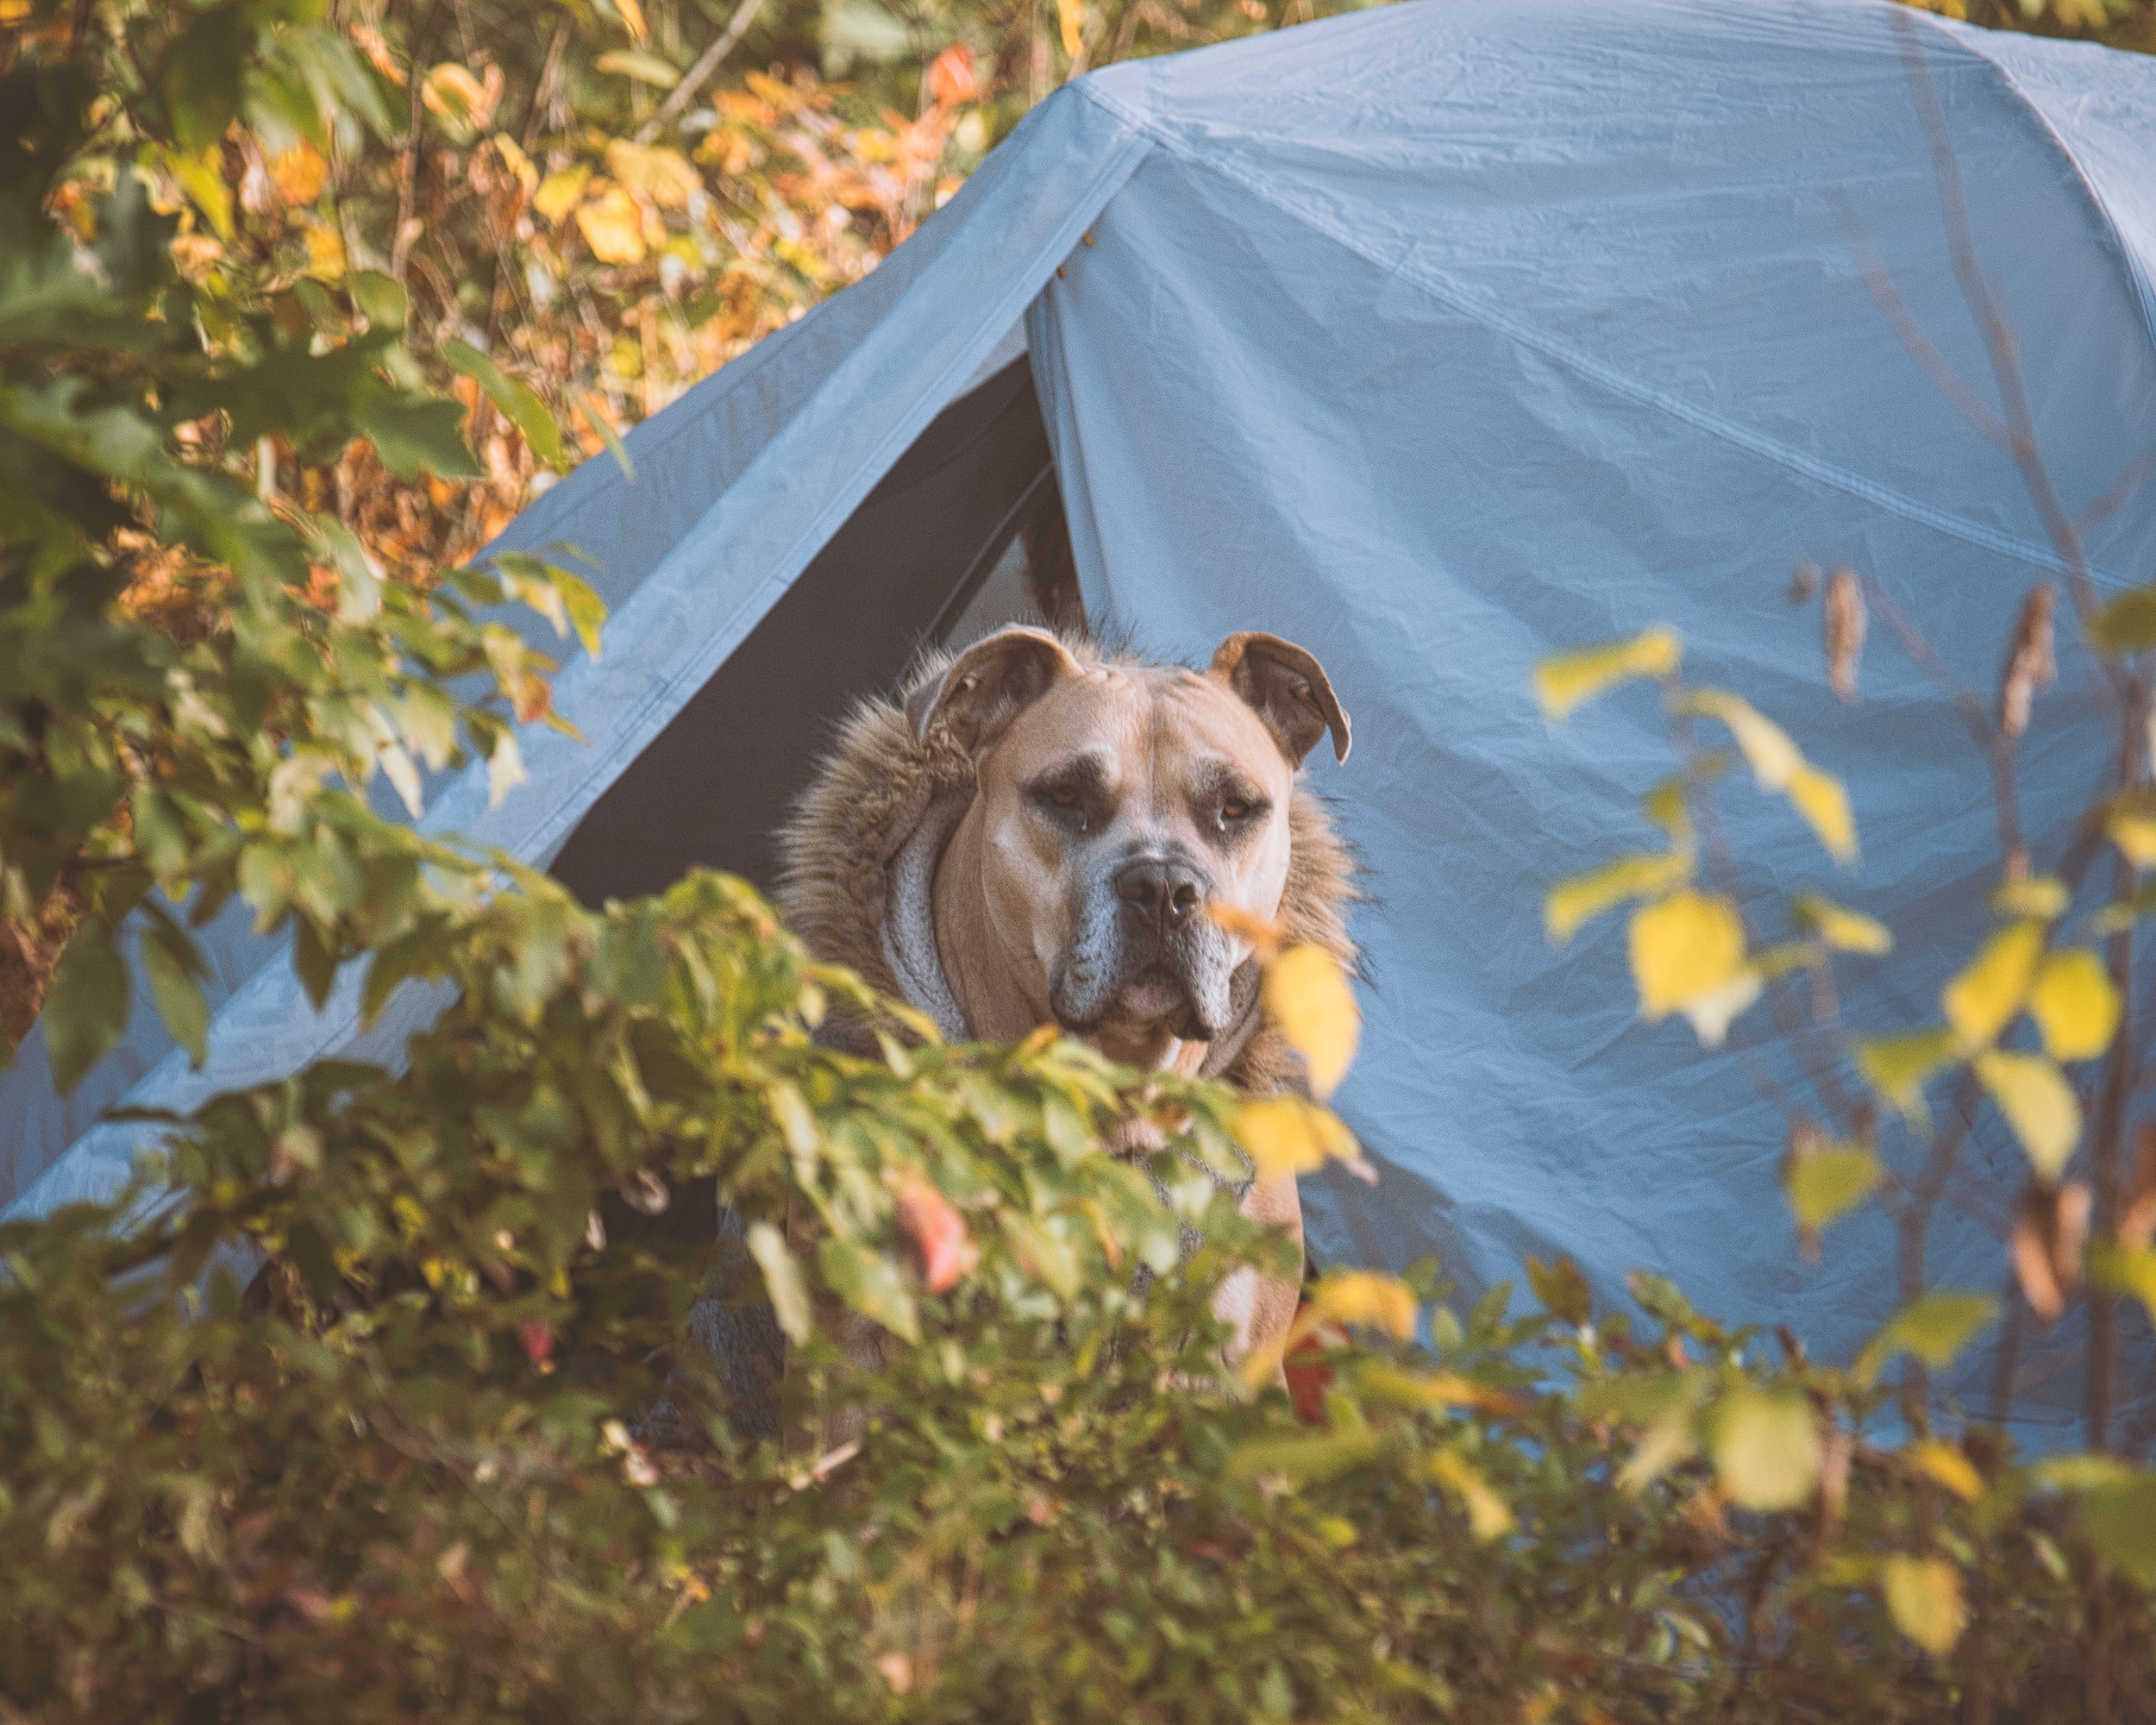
x,y
1118,805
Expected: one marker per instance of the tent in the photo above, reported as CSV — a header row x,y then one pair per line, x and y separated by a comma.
x,y
1437,338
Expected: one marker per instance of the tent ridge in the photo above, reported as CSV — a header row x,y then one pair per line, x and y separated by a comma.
x,y
2137,277
1759,443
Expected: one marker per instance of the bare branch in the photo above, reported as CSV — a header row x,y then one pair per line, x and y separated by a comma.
x,y
698,75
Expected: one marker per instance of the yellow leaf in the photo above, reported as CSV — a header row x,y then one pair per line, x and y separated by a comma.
x,y
2130,824
1923,1596
1489,1517
1949,1467
2038,1103
1846,931
1984,998
1830,1182
298,172
1286,1135
1686,946
2042,896
1766,1449
325,252
1819,797
516,162
1713,1012
665,176
1308,997
632,15
1356,1296
1899,1065
558,192
613,226
1071,15
1563,682
2074,1005
1773,758
1581,897
645,68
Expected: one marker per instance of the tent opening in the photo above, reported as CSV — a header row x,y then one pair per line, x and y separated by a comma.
x,y
965,534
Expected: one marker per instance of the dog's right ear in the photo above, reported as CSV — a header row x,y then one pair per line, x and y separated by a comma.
x,y
988,684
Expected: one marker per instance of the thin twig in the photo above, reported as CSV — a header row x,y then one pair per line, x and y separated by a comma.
x,y
708,62
542,92
2122,492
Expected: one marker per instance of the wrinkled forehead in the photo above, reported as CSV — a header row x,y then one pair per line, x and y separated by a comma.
x,y
1163,723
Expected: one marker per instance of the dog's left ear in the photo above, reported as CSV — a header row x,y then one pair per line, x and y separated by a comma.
x,y
1288,688
988,684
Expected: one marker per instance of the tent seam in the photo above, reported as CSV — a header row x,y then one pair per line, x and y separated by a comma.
x,y
1757,443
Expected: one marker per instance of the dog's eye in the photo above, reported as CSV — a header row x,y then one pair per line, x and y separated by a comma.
x,y
1064,797
1234,810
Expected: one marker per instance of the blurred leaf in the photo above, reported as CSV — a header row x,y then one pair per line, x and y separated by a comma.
x,y
516,400
645,68
2075,1004
1564,681
1823,802
1580,898
2041,896
1989,993
2121,1519
200,77
2125,1269
612,227
604,427
2128,623
1949,1465
1846,931
871,1284
1302,1461
1308,997
86,1007
1684,947
1898,1066
783,1281
1667,807
1287,1135
1829,1183
1356,1296
1489,1517
2129,822
1935,1327
1766,1448
413,436
1562,1289
171,965
2038,1103
381,299
1776,765
1923,1596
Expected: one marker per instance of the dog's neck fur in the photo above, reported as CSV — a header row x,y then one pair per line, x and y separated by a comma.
x,y
988,992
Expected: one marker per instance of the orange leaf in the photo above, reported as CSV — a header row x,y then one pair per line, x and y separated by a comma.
x,y
938,1234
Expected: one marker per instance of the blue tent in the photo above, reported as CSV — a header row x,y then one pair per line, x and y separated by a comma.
x,y
1437,338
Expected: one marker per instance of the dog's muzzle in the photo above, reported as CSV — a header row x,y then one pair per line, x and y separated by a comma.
x,y
1144,951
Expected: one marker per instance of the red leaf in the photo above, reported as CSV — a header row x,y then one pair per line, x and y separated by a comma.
x,y
537,1336
950,79
938,1234
1307,1384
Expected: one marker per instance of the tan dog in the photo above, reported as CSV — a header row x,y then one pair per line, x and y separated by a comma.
x,y
1117,805
1038,837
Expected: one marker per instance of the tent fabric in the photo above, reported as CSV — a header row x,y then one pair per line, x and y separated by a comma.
x,y
1438,338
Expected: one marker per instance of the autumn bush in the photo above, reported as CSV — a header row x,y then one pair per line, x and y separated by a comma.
x,y
343,1411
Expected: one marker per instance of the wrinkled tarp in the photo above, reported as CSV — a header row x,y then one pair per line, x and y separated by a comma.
x,y
1440,338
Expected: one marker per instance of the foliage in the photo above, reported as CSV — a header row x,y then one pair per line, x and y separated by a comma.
x,y
269,274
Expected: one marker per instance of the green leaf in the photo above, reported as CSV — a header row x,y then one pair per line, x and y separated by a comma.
x,y
2120,1519
1566,679
1766,1448
1830,1183
1489,1517
517,399
1899,1066
2125,1269
1562,1289
1846,931
1923,1596
381,299
1302,1461
870,1283
645,68
782,1280
412,434
1935,1327
86,1007
2128,624
200,78
2038,1103
170,963
604,426
1581,897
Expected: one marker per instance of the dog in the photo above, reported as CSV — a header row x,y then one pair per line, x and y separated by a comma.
x,y
1038,833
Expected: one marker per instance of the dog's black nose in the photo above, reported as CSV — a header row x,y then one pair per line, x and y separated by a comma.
x,y
1162,891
